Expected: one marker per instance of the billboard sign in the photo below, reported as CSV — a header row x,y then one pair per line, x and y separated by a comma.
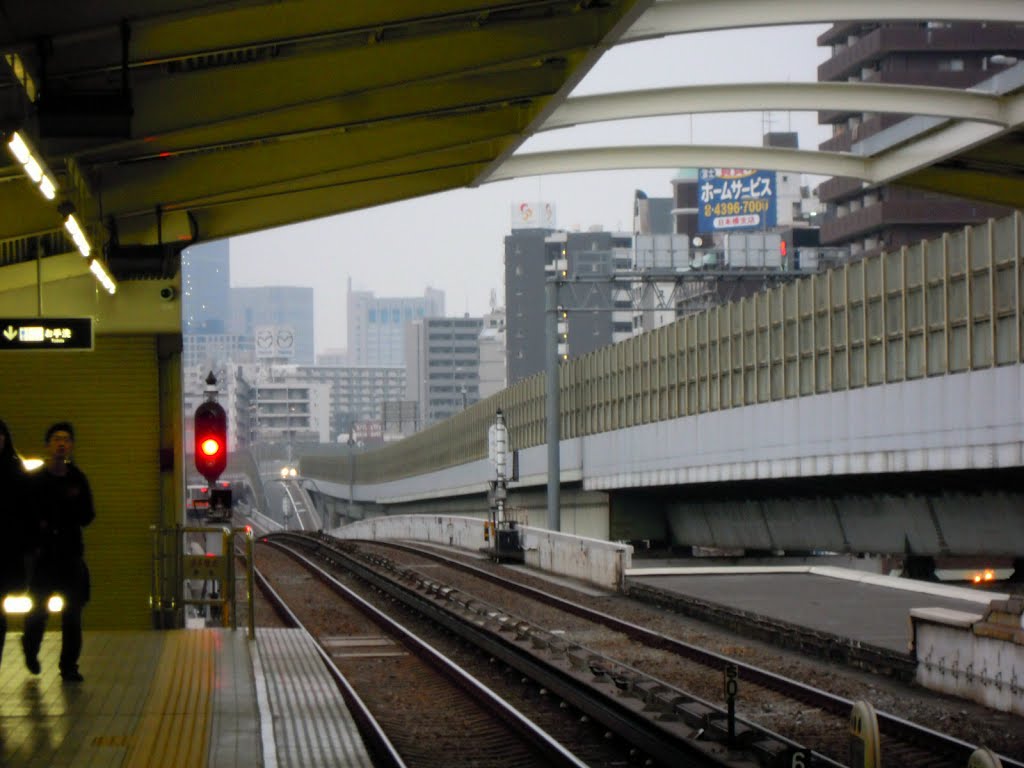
x,y
533,215
731,199
364,431
274,341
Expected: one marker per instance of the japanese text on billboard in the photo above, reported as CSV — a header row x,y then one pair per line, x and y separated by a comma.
x,y
735,199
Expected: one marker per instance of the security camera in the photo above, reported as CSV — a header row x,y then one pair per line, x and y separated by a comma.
x,y
167,293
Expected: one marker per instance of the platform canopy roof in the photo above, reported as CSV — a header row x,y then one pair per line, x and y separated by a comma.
x,y
168,122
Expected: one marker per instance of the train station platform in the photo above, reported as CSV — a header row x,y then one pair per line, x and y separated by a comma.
x,y
863,607
201,697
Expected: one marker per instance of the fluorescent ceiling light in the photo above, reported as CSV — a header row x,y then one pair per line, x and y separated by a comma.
x,y
32,164
96,267
75,230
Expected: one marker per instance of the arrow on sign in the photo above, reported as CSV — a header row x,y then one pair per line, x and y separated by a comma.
x,y
10,332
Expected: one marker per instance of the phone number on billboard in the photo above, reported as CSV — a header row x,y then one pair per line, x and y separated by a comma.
x,y
736,207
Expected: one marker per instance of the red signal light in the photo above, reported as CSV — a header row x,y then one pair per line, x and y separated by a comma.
x,y
211,446
782,247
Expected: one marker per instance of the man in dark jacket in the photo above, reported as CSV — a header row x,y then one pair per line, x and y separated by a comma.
x,y
59,494
12,543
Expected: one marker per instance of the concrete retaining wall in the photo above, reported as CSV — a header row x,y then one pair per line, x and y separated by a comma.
x,y
598,562
959,653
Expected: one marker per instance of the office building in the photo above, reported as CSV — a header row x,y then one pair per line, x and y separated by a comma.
x,y
954,55
278,318
597,308
215,350
493,364
442,364
205,288
376,325
533,250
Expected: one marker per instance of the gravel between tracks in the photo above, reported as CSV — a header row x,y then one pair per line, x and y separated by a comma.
x,y
1001,732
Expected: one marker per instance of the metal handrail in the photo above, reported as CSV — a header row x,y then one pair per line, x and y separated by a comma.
x,y
170,567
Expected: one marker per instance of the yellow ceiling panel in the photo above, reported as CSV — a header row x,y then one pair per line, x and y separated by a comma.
x,y
246,115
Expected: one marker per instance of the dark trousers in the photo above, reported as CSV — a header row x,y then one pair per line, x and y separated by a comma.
x,y
70,627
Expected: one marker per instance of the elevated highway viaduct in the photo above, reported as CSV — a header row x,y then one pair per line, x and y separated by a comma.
x,y
875,408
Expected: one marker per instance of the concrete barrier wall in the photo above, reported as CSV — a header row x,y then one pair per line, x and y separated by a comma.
x,y
450,531
953,658
598,562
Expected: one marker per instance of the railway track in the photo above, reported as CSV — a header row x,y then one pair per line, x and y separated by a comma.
x,y
645,721
430,708
905,743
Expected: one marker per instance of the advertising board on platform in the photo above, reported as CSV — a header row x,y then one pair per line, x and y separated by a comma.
x,y
731,199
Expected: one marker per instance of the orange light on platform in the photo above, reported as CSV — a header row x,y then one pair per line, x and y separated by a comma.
x,y
987,575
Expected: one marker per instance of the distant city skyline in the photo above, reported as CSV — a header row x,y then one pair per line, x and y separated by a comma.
x,y
453,241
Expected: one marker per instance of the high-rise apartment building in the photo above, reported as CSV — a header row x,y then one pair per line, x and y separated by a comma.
x,y
531,256
286,407
953,55
357,392
526,256
376,326
598,309
442,364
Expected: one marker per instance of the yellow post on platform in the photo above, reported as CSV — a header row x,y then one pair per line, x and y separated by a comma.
x,y
865,746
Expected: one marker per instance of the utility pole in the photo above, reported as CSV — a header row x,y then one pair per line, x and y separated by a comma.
x,y
351,474
552,403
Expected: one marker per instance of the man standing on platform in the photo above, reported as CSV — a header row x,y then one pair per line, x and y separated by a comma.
x,y
61,500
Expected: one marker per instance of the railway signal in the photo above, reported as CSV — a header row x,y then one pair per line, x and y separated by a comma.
x,y
211,435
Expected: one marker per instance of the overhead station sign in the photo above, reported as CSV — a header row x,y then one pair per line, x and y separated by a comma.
x,y
46,333
735,199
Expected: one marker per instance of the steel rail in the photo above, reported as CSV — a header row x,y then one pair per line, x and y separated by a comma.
x,y
377,742
552,749
889,724
659,720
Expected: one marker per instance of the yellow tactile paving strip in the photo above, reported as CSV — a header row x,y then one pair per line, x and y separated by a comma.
x,y
174,727
183,698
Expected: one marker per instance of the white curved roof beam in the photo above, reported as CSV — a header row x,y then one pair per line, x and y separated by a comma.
x,y
684,156
673,17
919,142
749,97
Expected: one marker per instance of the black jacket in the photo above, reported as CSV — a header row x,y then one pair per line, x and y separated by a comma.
x,y
13,518
62,506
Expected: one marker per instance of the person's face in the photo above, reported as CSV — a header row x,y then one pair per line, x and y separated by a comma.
x,y
59,445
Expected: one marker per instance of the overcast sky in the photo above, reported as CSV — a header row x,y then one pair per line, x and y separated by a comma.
x,y
454,241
